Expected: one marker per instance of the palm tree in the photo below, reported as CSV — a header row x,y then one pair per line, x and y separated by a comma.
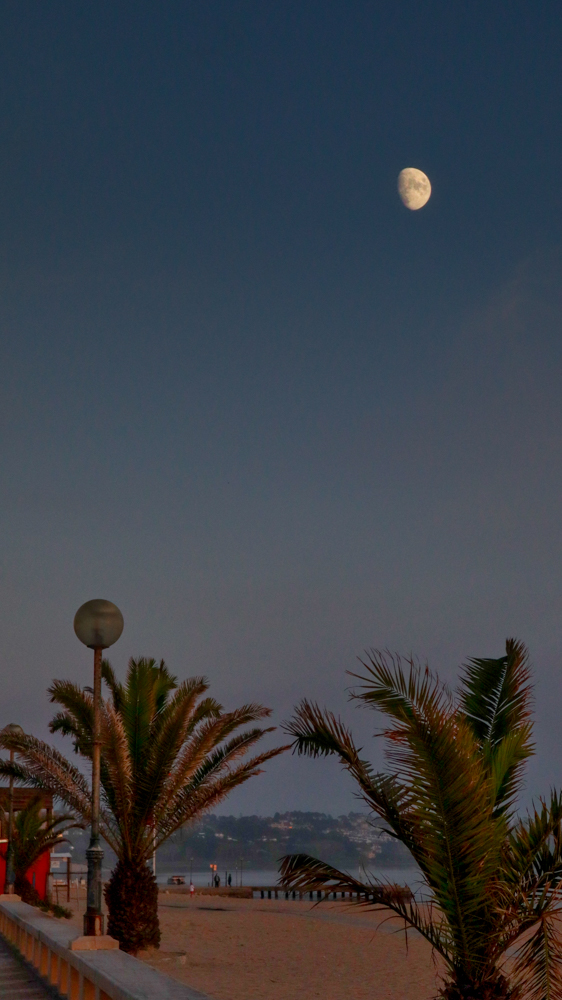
x,y
168,754
33,835
456,768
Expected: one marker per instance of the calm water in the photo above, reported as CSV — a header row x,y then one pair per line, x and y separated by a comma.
x,y
251,876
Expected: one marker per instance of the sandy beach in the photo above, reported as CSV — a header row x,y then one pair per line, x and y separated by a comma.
x,y
245,949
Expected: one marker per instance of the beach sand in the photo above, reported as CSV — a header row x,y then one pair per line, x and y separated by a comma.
x,y
248,949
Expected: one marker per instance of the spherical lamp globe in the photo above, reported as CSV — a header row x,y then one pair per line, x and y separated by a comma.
x,y
13,727
98,624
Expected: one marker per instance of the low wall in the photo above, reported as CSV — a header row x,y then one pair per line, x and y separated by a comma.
x,y
82,968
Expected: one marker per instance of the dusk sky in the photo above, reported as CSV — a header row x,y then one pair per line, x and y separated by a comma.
x,y
245,393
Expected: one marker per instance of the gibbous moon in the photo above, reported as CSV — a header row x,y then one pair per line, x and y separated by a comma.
x,y
414,188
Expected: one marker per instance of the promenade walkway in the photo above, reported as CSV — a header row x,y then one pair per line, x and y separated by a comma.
x,y
16,982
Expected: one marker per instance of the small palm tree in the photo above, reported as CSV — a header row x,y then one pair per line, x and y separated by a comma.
x,y
456,766
33,835
168,754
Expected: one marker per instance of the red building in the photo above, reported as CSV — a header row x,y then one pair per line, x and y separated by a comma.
x,y
39,872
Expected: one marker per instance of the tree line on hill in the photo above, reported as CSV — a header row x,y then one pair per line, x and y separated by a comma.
x,y
260,841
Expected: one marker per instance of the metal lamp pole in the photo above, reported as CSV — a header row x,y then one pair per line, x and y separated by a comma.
x,y
98,624
12,727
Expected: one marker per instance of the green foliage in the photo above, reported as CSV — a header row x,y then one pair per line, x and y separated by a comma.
x,y
456,766
33,834
258,841
29,894
169,753
496,698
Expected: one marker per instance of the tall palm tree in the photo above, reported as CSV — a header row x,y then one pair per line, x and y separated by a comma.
x,y
33,835
168,754
456,767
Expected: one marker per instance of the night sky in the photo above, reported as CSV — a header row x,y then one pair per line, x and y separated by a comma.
x,y
246,394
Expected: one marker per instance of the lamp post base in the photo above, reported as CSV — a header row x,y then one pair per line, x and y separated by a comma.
x,y
93,924
93,917
10,877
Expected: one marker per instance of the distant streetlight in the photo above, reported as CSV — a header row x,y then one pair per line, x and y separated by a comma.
x,y
16,730
98,624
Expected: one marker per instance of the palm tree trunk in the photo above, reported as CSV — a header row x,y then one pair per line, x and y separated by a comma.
x,y
461,987
132,900
26,891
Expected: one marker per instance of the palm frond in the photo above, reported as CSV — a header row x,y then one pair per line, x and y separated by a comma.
x,y
440,793
224,756
116,688
117,772
461,844
304,873
320,733
168,753
538,966
398,693
175,722
456,768
212,731
505,762
42,766
147,687
496,694
76,719
193,801
34,834
496,698
533,851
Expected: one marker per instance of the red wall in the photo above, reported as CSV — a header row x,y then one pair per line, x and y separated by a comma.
x,y
37,874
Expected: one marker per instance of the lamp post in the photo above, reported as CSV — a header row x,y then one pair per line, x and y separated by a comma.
x,y
12,727
98,624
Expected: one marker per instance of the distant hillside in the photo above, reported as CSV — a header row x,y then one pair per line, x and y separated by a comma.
x,y
347,841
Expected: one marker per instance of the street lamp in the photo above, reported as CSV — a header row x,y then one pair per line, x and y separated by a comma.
x,y
16,730
98,624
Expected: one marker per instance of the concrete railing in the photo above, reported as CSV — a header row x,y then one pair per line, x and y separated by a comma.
x,y
82,968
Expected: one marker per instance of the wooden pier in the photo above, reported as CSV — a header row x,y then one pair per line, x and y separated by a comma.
x,y
326,892
275,892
